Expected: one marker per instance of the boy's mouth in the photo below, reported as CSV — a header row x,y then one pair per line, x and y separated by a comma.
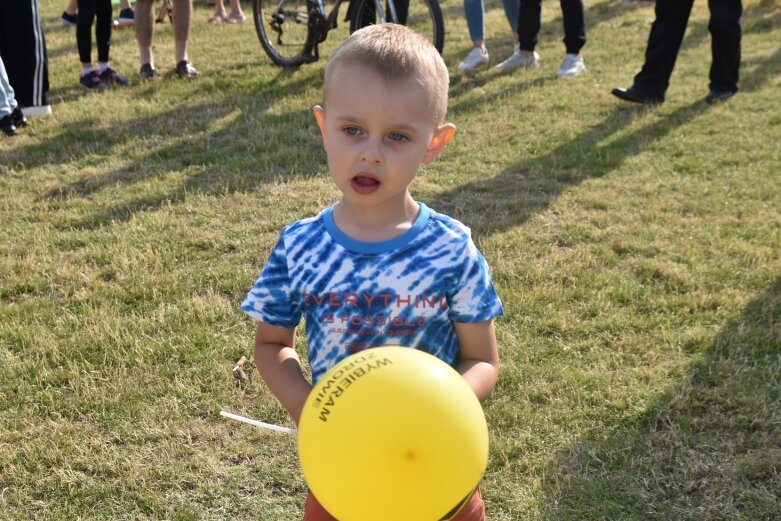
x,y
365,184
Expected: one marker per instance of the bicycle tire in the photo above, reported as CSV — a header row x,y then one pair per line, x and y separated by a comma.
x,y
424,16
283,30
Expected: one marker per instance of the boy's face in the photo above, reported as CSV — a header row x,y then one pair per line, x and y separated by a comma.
x,y
376,135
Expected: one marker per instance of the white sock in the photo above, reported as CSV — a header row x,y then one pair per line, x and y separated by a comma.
x,y
87,70
102,66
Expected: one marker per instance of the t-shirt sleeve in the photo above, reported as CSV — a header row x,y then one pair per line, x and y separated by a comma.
x,y
474,298
272,299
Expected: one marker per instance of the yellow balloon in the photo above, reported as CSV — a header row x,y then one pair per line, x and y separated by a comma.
x,y
392,433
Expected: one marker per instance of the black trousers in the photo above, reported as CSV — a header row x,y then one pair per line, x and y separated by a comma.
x,y
23,48
529,21
666,36
89,10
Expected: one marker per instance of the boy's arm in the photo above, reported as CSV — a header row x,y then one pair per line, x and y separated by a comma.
x,y
478,361
280,367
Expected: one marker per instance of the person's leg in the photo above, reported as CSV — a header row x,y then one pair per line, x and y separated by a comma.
x,y
103,23
73,7
126,16
23,49
182,14
511,9
84,32
474,10
574,25
529,21
219,12
314,511
725,33
473,510
236,12
664,42
7,101
145,30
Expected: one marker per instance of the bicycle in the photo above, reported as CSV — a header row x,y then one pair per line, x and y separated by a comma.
x,y
291,30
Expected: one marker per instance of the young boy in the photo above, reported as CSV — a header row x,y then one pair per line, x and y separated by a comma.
x,y
377,268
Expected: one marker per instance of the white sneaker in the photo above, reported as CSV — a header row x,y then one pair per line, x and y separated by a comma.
x,y
517,60
37,110
473,60
572,65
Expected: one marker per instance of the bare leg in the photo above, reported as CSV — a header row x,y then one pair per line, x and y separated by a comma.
x,y
235,7
182,14
219,12
73,7
145,29
123,4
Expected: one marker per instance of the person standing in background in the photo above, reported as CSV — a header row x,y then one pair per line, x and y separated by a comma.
x,y
529,23
475,14
145,31
11,115
98,11
23,51
664,42
221,16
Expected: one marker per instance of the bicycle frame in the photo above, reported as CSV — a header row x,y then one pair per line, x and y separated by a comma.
x,y
321,22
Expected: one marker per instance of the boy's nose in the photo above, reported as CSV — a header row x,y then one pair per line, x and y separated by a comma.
x,y
372,153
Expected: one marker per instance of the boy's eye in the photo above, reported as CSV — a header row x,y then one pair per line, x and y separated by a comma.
x,y
351,131
398,136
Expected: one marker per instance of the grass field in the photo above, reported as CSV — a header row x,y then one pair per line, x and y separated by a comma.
x,y
637,252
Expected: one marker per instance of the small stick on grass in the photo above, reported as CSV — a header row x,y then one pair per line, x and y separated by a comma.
x,y
239,370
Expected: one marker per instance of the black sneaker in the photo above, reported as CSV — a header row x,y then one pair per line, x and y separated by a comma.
x,y
69,19
112,77
7,126
126,17
148,73
719,96
17,116
185,69
91,81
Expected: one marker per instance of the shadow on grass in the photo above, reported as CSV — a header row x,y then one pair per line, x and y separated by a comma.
x,y
530,185
237,142
710,448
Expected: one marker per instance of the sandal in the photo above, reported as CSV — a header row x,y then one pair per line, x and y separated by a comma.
x,y
236,18
219,19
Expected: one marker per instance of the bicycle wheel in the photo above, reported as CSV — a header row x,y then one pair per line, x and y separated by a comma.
x,y
283,29
424,16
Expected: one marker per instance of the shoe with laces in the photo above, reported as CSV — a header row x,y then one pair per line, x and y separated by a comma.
x,y
91,81
112,77
148,73
572,65
473,60
69,19
185,69
126,18
517,60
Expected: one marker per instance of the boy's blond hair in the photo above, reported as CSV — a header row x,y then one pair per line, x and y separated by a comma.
x,y
398,54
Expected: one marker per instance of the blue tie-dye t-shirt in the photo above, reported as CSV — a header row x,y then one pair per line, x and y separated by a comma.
x,y
354,295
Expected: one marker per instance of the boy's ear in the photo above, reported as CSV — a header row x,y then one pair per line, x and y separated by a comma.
x,y
442,136
319,113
